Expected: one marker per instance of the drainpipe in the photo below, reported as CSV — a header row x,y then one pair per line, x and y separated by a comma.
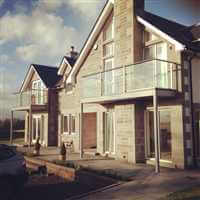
x,y
192,108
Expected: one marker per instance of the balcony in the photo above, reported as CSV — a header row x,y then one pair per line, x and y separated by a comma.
x,y
36,99
133,81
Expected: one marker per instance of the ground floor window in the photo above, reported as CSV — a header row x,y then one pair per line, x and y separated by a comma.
x,y
165,143
69,124
37,127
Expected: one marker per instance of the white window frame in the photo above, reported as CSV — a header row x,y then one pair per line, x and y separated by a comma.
x,y
73,132
35,91
37,117
69,123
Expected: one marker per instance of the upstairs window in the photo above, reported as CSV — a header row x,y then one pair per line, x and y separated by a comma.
x,y
156,51
108,50
109,32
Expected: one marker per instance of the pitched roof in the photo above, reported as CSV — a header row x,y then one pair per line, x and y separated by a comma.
x,y
47,74
107,9
175,30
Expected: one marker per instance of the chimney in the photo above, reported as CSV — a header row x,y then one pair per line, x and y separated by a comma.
x,y
73,53
139,4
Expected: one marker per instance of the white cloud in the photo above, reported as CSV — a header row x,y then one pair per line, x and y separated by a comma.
x,y
41,34
88,8
5,59
1,2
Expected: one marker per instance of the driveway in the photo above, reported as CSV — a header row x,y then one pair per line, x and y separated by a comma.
x,y
150,187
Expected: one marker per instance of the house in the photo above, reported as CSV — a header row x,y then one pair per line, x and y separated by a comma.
x,y
38,99
133,91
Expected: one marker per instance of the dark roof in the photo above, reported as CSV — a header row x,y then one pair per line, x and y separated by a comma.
x,y
175,30
70,60
48,74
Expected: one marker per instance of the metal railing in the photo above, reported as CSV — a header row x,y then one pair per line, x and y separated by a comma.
x,y
32,97
144,75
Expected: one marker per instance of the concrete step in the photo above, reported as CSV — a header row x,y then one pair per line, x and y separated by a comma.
x,y
92,152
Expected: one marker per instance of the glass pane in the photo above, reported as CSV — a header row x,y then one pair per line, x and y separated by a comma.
x,y
149,52
161,51
109,133
108,50
34,128
151,136
66,124
73,124
165,135
108,32
162,74
140,76
39,127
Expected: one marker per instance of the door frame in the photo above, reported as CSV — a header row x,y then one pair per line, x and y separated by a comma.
x,y
114,133
147,133
37,117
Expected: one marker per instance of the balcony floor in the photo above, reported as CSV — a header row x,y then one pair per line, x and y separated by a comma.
x,y
33,107
131,95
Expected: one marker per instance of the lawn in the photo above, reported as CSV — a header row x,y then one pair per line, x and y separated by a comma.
x,y
189,194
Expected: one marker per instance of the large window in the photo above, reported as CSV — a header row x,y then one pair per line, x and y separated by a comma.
x,y
108,58
38,95
156,51
109,32
165,143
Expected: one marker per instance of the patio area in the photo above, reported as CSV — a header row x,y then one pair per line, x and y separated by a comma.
x,y
99,164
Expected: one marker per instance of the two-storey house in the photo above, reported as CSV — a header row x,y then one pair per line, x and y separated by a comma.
x,y
133,93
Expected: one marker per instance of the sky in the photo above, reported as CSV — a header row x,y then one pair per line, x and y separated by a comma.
x,y
42,31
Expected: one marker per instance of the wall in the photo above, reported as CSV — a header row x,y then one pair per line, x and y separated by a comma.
x,y
196,80
53,117
125,130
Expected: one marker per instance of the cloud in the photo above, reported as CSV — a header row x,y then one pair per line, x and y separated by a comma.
x,y
5,59
1,2
87,8
41,34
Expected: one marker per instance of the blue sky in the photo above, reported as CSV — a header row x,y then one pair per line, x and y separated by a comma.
x,y
42,31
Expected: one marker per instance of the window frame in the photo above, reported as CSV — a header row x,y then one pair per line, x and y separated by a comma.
x,y
69,124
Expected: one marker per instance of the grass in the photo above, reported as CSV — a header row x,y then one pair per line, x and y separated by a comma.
x,y
188,194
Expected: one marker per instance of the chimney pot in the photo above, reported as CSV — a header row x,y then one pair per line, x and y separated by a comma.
x,y
73,53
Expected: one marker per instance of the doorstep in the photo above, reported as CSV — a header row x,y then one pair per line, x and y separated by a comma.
x,y
162,163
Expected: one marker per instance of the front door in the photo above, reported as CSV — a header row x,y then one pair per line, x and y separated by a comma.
x,y
109,133
165,147
37,128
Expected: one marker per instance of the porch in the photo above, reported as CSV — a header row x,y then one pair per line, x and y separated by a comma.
x,y
31,102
